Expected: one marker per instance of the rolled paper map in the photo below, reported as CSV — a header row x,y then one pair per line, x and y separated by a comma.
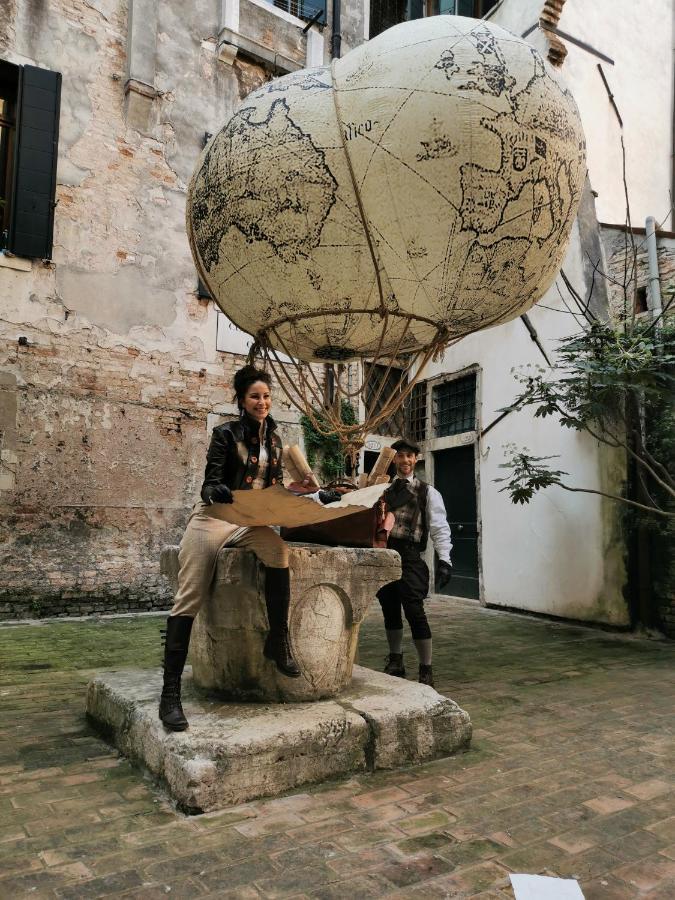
x,y
298,467
378,474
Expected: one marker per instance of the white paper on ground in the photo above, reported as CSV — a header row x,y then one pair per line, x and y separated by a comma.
x,y
542,887
277,506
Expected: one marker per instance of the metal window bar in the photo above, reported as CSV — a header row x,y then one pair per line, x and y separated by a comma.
x,y
454,406
417,413
385,13
301,9
379,394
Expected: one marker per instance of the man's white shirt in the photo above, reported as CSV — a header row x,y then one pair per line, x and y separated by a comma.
x,y
437,522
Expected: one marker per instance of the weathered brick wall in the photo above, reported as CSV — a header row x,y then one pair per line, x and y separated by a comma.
x,y
107,449
108,362
108,453
623,276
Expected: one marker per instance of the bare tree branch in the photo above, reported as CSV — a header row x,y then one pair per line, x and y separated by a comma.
x,y
649,509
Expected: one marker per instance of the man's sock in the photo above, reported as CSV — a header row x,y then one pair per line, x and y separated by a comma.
x,y
395,640
424,651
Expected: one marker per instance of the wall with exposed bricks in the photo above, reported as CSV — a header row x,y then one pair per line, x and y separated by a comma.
x,y
108,362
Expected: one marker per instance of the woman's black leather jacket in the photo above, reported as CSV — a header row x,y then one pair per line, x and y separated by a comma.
x,y
233,457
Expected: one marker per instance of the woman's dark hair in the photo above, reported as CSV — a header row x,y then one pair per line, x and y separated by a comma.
x,y
244,378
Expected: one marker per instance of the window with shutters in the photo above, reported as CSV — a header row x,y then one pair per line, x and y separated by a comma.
x,y
9,82
385,13
303,9
29,129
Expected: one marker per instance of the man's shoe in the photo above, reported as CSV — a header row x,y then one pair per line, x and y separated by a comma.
x,y
176,643
395,665
426,675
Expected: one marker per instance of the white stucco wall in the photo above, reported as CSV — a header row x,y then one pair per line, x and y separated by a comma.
x,y
639,38
559,554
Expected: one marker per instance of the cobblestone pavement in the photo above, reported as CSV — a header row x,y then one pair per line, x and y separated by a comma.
x,y
570,774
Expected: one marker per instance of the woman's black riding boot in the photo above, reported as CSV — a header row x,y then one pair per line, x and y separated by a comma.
x,y
277,599
176,645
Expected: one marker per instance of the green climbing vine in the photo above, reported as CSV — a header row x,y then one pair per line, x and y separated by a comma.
x,y
325,450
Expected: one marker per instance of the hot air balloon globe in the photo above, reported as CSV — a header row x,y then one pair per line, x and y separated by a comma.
x,y
419,189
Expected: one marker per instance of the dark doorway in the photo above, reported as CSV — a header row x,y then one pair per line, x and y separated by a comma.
x,y
455,479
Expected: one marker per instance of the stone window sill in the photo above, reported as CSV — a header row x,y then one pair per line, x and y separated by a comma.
x,y
231,42
18,263
235,37
280,13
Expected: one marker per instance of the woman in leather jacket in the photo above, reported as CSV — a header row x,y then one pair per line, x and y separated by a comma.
x,y
244,454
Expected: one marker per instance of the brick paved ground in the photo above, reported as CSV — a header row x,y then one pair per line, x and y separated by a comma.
x,y
571,773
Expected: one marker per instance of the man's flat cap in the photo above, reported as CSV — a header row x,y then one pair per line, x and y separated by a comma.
x,y
406,444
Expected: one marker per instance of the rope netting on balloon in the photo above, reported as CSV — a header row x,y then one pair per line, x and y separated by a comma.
x,y
369,389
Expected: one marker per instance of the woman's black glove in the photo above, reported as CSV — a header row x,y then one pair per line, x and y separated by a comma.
x,y
443,573
219,493
329,496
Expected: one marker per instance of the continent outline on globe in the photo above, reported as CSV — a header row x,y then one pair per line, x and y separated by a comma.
x,y
260,214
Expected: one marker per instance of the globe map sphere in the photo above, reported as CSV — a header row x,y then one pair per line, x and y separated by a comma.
x,y
424,184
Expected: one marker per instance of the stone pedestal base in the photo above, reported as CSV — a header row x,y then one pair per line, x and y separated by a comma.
x,y
234,752
331,590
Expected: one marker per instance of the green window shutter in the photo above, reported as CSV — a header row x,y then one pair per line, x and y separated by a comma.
x,y
307,9
32,225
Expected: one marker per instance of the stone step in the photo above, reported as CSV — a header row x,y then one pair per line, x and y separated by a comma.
x,y
234,752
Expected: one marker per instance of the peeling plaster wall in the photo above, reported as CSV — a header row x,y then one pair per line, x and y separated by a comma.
x,y
7,20
638,38
106,406
354,21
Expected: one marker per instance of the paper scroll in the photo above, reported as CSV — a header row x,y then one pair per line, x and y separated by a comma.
x,y
297,466
378,474
278,506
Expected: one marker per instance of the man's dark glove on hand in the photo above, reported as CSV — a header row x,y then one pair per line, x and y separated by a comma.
x,y
220,493
443,573
329,496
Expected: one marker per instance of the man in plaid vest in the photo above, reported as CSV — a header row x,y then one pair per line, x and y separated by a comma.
x,y
420,514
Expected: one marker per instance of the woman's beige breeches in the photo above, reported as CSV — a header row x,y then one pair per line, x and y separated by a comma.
x,y
198,552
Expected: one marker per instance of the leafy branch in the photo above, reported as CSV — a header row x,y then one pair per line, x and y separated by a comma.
x,y
530,474
602,377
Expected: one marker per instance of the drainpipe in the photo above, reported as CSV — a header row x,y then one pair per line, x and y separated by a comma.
x,y
652,255
336,36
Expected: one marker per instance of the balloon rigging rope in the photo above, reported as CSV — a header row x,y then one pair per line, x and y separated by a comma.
x,y
357,192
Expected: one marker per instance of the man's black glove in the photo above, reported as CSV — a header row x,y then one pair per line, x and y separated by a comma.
x,y
329,496
443,574
219,493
